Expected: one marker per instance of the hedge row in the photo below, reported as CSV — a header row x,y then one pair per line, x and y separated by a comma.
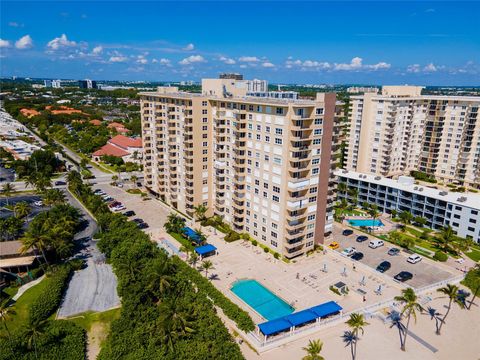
x,y
233,311
49,299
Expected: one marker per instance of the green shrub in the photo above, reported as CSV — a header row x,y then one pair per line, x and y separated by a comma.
x,y
49,300
440,256
276,255
254,242
265,250
335,290
232,236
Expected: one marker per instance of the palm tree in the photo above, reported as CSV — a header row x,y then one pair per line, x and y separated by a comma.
x,y
159,278
32,332
373,212
7,190
393,213
35,239
450,291
446,238
174,223
22,209
405,217
42,182
313,350
114,178
410,308
472,281
419,220
201,236
53,197
342,187
340,209
6,311
353,192
356,323
193,259
207,265
134,179
199,212
435,315
394,237
396,320
174,323
350,339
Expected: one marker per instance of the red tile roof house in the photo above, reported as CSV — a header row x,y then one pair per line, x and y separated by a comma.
x,y
120,128
123,147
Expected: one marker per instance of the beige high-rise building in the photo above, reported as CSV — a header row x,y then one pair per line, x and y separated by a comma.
x,y
261,164
401,130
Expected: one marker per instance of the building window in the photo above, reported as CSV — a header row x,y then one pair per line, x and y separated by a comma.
x,y
275,198
318,121
278,131
311,217
276,189
278,141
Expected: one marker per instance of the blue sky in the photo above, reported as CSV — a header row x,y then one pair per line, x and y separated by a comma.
x,y
425,43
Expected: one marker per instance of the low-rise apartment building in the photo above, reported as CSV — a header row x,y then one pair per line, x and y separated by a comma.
x,y
400,130
439,207
261,164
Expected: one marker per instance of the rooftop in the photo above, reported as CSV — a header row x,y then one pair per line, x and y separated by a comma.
x,y
407,184
126,142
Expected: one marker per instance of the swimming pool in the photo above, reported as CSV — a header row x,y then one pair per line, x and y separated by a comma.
x,y
260,299
365,222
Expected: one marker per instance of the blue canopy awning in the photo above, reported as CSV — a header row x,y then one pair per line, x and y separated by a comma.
x,y
301,317
275,326
191,234
326,309
205,249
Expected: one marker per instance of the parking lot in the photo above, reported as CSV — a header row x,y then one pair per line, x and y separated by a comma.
x,y
153,212
425,272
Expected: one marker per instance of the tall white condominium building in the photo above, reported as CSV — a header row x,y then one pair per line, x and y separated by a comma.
x,y
261,164
401,130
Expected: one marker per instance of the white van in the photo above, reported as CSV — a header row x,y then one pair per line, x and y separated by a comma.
x,y
414,258
375,244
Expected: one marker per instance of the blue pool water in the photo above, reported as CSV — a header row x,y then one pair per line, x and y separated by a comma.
x,y
365,222
262,300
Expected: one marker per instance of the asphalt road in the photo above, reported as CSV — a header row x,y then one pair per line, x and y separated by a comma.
x,y
93,288
425,272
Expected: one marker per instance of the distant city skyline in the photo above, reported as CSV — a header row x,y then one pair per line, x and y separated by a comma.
x,y
421,43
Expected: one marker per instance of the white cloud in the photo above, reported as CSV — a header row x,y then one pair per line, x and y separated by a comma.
x,y
415,68
357,64
117,59
25,42
15,24
4,43
162,61
268,65
249,59
141,60
189,47
430,68
192,59
97,50
227,61
307,64
60,42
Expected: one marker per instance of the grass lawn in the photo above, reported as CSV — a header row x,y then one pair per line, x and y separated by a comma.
x,y
474,255
22,305
86,320
182,241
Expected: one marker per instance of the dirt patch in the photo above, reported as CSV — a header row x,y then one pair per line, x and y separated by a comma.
x,y
97,334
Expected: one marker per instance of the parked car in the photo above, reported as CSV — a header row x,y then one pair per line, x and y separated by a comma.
x,y
414,258
393,251
357,256
38,203
375,244
348,251
143,225
99,192
119,207
334,245
138,220
362,238
384,266
347,232
403,276
129,213
60,183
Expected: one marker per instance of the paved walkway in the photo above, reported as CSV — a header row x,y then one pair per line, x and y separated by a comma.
x,y
23,288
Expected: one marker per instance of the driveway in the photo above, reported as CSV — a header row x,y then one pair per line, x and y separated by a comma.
x,y
93,288
424,273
